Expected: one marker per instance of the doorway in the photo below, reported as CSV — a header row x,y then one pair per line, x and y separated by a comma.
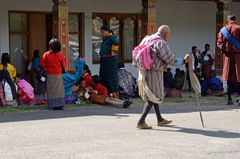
x,y
28,31
40,32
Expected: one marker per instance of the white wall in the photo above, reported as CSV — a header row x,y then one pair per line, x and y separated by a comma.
x,y
106,6
235,9
14,5
192,23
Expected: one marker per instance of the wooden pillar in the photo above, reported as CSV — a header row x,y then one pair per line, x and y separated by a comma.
x,y
148,17
61,26
223,11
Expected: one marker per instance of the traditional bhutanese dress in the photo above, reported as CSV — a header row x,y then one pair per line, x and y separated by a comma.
x,y
127,83
71,79
109,63
150,82
54,63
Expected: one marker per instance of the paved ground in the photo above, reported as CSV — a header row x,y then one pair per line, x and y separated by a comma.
x,y
109,133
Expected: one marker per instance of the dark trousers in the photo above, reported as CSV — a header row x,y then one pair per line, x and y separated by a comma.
x,y
147,108
35,81
232,88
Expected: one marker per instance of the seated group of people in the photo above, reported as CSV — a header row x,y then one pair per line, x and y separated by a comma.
x,y
14,90
80,85
89,88
202,66
173,84
211,85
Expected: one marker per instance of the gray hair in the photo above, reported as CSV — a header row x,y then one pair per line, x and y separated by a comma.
x,y
163,30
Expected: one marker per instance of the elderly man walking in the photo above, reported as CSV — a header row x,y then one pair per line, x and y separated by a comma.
x,y
151,87
229,42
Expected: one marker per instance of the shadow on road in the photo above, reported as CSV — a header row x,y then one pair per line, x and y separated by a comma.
x,y
106,111
204,132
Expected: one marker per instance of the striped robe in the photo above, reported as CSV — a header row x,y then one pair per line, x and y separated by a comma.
x,y
154,77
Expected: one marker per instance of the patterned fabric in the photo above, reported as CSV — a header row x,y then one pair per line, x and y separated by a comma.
x,y
151,86
55,91
127,82
71,99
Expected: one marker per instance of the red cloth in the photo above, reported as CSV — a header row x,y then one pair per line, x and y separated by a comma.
x,y
101,89
23,97
88,80
2,96
231,65
53,62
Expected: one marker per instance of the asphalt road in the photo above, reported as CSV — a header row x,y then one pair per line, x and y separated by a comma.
x,y
109,133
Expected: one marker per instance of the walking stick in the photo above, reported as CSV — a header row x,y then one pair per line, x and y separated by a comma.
x,y
195,85
199,108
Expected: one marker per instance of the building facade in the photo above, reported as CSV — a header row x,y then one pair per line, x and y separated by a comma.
x,y
29,24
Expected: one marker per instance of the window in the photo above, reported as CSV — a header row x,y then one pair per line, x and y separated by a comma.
x,y
75,36
125,27
22,38
18,27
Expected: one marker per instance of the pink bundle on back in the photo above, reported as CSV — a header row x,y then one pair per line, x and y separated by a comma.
x,y
141,55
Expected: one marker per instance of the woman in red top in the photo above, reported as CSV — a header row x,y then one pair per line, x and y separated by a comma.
x,y
54,62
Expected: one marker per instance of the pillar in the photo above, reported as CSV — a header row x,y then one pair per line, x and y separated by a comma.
x,y
148,17
61,25
223,11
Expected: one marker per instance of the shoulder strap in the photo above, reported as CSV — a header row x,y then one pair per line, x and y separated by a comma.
x,y
230,38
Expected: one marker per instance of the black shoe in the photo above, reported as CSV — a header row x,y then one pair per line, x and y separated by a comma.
x,y
238,101
230,102
57,108
127,104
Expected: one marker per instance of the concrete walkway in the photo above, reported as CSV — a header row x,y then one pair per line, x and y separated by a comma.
x,y
109,133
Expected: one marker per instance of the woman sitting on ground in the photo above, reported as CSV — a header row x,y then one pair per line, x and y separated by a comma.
x,y
212,85
9,93
127,83
5,64
97,93
25,92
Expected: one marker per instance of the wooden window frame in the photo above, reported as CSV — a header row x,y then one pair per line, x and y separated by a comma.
x,y
80,32
121,16
81,29
22,34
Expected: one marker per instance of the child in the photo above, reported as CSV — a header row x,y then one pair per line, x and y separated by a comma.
x,y
82,91
87,75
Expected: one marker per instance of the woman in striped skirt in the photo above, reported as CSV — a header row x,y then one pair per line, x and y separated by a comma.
x,y
54,62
